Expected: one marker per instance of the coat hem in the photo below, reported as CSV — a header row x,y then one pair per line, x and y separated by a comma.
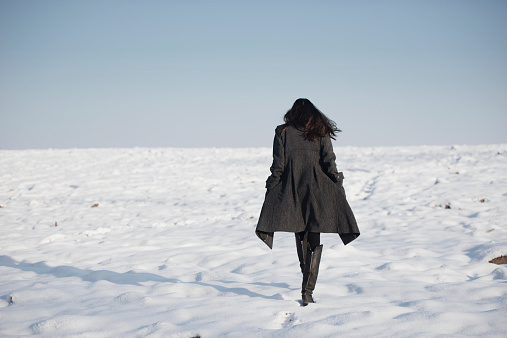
x,y
267,237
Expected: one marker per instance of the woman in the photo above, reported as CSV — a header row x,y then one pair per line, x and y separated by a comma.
x,y
304,191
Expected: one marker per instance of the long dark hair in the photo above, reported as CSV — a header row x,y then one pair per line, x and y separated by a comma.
x,y
305,116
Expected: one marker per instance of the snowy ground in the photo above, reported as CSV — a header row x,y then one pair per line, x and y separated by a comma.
x,y
170,249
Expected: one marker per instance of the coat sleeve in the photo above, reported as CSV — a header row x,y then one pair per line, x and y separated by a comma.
x,y
327,160
278,165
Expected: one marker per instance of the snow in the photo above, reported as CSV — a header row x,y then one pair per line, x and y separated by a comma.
x,y
169,249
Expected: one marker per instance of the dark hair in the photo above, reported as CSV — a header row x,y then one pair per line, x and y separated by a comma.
x,y
305,116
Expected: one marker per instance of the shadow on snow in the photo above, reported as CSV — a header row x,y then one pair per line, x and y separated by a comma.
x,y
129,277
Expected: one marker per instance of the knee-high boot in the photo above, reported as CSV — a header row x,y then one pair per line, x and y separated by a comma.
x,y
310,273
302,251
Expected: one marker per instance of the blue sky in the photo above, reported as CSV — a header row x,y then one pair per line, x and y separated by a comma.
x,y
223,73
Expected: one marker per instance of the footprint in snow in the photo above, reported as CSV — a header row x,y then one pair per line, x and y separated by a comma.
x,y
286,319
354,288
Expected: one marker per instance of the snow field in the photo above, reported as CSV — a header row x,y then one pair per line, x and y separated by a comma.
x,y
170,250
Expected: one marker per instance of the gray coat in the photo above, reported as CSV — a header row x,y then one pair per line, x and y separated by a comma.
x,y
304,190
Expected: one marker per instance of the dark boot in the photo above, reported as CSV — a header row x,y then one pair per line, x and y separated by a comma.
x,y
300,242
310,273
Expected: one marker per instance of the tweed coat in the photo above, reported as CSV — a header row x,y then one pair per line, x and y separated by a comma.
x,y
304,190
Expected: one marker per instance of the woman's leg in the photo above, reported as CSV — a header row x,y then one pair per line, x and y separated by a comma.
x,y
314,240
300,250
311,267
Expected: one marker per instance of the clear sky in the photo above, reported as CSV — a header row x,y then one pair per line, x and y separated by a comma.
x,y
100,73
